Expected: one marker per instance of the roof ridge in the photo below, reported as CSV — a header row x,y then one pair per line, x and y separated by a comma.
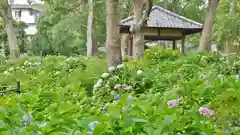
x,y
176,15
155,7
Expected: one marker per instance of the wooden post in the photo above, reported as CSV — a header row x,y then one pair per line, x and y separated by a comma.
x,y
174,45
18,87
183,45
131,47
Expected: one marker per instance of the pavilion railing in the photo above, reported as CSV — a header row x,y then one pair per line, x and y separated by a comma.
x,y
4,90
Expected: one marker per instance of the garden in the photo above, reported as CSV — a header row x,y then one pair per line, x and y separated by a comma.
x,y
119,67
163,93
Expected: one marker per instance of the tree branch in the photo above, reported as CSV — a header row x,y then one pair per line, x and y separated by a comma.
x,y
185,6
75,6
146,13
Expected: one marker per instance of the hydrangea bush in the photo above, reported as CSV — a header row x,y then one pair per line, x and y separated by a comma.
x,y
162,94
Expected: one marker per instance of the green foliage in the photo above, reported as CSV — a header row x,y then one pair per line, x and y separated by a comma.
x,y
57,95
227,24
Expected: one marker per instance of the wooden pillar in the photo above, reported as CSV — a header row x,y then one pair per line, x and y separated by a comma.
x,y
174,45
130,46
183,45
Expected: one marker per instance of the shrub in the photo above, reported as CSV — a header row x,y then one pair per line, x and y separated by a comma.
x,y
197,94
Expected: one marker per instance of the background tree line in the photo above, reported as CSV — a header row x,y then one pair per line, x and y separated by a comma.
x,y
80,27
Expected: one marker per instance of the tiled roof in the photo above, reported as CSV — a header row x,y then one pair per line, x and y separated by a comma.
x,y
162,18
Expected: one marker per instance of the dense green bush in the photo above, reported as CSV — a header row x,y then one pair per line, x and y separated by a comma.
x,y
161,94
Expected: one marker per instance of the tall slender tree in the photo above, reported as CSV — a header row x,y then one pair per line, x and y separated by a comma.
x,y
92,48
112,45
207,29
6,15
136,29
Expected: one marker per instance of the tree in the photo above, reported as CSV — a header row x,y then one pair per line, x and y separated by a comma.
x,y
231,44
207,29
113,47
92,48
6,15
62,28
140,19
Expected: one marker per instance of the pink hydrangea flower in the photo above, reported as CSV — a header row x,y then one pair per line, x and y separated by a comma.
x,y
117,86
173,103
206,111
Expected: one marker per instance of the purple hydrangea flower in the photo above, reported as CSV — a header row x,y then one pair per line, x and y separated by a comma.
x,y
206,111
173,103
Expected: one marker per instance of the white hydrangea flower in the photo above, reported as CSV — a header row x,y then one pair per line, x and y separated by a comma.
x,y
68,59
57,73
37,63
120,66
139,72
11,69
26,63
5,72
128,88
111,69
237,76
105,75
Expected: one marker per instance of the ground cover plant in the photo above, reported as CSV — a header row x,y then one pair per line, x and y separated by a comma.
x,y
164,93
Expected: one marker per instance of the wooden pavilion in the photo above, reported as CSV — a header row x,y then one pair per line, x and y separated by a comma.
x,y
163,25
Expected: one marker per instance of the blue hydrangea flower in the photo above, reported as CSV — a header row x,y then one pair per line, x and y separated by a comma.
x,y
104,109
89,133
117,97
27,118
92,125
130,97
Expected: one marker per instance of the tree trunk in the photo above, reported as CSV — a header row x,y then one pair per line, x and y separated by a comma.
x,y
92,48
207,29
11,33
139,21
113,46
